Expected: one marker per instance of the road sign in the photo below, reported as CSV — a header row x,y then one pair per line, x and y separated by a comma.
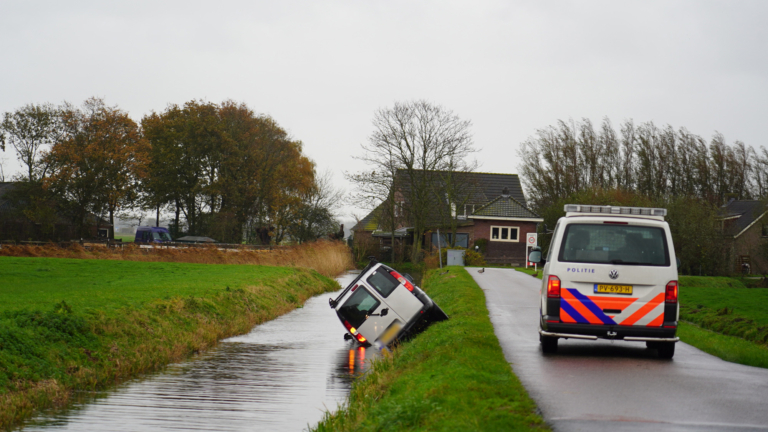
x,y
531,241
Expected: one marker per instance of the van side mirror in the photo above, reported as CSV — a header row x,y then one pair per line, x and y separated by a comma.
x,y
678,261
534,256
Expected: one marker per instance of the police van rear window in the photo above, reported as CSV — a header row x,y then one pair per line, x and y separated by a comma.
x,y
359,304
614,244
384,282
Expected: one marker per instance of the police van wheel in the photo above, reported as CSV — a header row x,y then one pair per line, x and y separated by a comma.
x,y
666,350
548,344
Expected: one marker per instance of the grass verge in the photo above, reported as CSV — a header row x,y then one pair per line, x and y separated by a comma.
x,y
453,376
530,271
729,348
68,324
727,319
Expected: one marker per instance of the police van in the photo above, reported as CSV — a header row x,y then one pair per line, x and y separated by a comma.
x,y
380,305
610,273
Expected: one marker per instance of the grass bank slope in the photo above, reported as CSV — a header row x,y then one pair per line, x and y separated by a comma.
x,y
451,377
329,258
69,324
725,318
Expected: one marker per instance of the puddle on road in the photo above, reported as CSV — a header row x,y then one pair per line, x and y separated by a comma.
x,y
281,376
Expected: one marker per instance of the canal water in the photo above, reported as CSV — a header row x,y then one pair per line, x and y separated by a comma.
x,y
282,376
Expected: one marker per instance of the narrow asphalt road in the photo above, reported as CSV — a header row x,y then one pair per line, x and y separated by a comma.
x,y
619,386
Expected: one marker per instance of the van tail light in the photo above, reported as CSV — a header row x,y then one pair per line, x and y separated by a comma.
x,y
671,295
553,286
402,280
354,331
349,327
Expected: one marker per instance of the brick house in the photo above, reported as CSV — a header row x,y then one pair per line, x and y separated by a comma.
x,y
745,227
494,210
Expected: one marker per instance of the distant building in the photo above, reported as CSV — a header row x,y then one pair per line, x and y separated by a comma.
x,y
50,224
745,227
494,210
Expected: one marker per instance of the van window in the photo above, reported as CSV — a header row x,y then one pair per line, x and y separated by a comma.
x,y
360,304
384,282
163,236
614,244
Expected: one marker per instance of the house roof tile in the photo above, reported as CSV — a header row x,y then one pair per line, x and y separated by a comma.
x,y
505,206
744,213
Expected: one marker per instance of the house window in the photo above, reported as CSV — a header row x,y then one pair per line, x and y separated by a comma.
x,y
469,209
462,239
399,206
508,234
765,230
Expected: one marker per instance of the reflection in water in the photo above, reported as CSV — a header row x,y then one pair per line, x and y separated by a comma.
x,y
281,376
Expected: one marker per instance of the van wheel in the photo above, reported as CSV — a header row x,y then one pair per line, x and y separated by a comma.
x,y
548,344
666,350
652,345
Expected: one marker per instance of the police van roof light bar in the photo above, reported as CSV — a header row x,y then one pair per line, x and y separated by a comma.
x,y
634,211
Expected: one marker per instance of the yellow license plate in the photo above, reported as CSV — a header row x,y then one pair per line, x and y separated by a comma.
x,y
391,332
613,289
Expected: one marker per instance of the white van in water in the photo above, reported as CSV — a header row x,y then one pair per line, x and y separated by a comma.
x,y
382,305
610,273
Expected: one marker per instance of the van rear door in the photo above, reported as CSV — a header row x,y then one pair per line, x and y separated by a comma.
x,y
361,312
612,273
395,294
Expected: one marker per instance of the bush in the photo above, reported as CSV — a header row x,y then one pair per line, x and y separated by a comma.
x,y
482,244
474,259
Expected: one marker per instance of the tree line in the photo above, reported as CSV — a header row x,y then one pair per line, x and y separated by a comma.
x,y
220,169
654,161
646,165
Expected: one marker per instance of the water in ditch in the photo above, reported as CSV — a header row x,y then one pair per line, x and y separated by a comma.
x,y
281,376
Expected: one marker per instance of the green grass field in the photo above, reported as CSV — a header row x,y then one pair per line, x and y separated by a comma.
x,y
452,377
106,285
75,324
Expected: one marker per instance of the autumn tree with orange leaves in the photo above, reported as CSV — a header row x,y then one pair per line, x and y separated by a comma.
x,y
227,172
96,166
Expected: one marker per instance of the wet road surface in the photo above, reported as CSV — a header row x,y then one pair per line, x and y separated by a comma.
x,y
619,386
279,377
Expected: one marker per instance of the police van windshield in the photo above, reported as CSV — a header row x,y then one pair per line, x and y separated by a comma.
x,y
614,244
359,304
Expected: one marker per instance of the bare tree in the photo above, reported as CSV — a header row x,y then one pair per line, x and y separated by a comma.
x,y
315,215
411,143
31,129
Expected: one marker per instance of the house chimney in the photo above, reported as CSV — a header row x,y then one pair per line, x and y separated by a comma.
x,y
505,192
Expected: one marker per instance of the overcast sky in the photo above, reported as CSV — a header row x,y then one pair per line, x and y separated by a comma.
x,y
321,68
